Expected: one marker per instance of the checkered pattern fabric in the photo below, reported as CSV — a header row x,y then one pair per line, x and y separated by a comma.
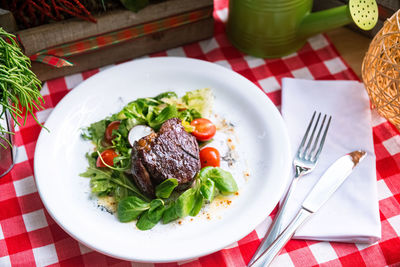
x,y
29,236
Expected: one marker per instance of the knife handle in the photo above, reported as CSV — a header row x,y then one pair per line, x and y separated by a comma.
x,y
277,224
273,250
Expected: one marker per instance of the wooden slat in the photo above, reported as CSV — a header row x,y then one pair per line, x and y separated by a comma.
x,y
7,21
45,36
148,44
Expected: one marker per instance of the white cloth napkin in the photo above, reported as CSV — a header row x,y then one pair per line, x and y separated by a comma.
x,y
352,213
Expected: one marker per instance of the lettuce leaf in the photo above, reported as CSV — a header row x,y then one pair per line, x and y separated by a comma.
x,y
200,100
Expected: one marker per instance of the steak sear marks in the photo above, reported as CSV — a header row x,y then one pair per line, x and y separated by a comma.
x,y
170,153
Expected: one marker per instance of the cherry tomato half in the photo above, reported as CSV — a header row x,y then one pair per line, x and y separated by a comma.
x,y
109,130
108,157
209,156
204,129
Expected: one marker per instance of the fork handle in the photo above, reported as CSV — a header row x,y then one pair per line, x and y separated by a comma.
x,y
273,250
277,226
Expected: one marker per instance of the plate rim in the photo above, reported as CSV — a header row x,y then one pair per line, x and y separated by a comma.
x,y
252,225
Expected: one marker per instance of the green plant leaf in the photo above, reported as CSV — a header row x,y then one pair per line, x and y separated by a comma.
x,y
152,216
101,186
130,208
156,210
201,100
182,206
168,94
19,86
128,189
223,180
93,172
95,131
137,110
188,128
207,190
166,114
185,203
170,214
155,203
198,204
120,193
135,5
189,115
144,223
165,189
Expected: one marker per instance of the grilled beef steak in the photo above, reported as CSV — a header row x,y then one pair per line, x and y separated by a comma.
x,y
169,153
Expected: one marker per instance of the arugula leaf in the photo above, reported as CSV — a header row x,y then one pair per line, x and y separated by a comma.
x,y
100,183
129,189
130,208
119,184
165,189
93,172
95,132
101,187
121,179
120,193
121,145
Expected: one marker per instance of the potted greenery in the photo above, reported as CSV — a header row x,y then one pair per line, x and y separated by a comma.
x,y
19,96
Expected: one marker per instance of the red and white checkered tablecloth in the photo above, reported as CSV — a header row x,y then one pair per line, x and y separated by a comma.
x,y
29,236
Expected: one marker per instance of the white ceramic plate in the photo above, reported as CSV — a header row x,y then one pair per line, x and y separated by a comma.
x,y
59,158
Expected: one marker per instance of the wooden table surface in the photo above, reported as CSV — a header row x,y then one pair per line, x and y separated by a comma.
x,y
351,45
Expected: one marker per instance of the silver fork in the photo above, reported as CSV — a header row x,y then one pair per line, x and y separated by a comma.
x,y
305,160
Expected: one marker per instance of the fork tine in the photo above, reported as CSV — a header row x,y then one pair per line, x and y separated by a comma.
x,y
306,134
317,138
323,139
311,138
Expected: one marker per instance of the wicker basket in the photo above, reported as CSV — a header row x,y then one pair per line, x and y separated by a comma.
x,y
381,70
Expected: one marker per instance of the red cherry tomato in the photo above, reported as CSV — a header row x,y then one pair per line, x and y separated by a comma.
x,y
109,130
209,156
108,157
204,129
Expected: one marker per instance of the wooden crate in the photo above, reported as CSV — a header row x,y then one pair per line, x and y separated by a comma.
x,y
54,34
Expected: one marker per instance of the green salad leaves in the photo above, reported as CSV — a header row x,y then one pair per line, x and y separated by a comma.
x,y
210,182
113,180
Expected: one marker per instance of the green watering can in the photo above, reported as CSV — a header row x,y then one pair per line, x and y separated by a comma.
x,y
276,28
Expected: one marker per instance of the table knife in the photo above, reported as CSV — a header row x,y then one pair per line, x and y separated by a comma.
x,y
329,182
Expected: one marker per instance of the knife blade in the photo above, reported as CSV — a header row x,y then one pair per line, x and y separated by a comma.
x,y
329,182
